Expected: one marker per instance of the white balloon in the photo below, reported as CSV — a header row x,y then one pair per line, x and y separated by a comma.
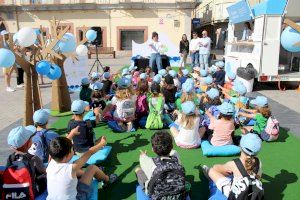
x,y
26,37
81,50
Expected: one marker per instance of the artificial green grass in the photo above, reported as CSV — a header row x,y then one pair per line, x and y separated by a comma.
x,y
56,113
281,164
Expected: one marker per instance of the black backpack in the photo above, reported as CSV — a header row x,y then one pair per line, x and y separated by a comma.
x,y
248,187
168,180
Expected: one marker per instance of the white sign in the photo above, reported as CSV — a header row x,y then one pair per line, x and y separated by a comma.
x,y
75,70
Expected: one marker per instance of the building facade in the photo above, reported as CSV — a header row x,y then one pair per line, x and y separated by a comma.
x,y
121,21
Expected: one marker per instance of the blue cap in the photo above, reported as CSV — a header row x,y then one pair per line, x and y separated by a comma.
x,y
97,86
143,76
250,144
162,72
208,80
173,73
198,91
188,107
157,78
187,87
231,75
129,76
213,93
244,100
239,88
220,64
260,101
124,83
41,116
95,75
185,72
78,106
203,73
226,108
131,68
125,71
190,80
18,136
85,81
106,75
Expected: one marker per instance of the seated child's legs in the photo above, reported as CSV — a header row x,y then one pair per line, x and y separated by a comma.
x,y
222,182
141,177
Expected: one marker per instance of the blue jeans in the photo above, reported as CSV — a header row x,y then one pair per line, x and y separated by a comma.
x,y
195,59
155,57
203,60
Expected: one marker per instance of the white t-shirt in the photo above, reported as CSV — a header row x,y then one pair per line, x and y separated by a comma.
x,y
194,44
119,112
188,137
155,46
205,48
60,183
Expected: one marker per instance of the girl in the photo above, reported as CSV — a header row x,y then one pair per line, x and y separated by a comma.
x,y
188,94
211,100
185,130
169,90
247,162
177,84
231,77
135,78
183,50
142,108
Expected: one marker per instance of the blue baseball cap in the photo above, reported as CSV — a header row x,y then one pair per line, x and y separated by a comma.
x,y
106,75
208,80
250,144
226,108
41,116
240,88
124,83
125,71
128,76
131,68
187,87
213,93
97,86
162,72
188,107
173,73
185,72
85,81
95,75
143,76
220,64
260,101
203,73
78,106
18,136
198,91
190,80
157,78
231,75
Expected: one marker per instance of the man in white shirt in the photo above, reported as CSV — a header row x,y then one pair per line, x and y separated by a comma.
x,y
204,50
194,50
155,56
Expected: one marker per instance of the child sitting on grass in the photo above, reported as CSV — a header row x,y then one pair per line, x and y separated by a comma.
x,y
169,90
67,180
85,92
184,77
107,84
231,77
219,75
185,129
177,83
98,97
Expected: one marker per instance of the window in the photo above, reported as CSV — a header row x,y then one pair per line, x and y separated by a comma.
x,y
128,35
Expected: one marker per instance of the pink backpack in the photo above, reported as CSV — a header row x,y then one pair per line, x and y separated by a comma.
x,y
272,127
142,107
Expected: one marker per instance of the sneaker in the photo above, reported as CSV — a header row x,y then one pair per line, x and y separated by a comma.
x,y
20,86
9,89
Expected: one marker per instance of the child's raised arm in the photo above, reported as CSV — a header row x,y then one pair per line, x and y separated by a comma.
x,y
251,115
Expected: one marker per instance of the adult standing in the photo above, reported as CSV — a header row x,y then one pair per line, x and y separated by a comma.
x,y
194,50
247,31
204,50
7,71
155,56
183,50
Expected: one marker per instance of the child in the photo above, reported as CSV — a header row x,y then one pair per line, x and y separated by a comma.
x,y
98,97
107,84
184,77
125,72
247,163
219,75
223,127
85,92
186,128
135,78
142,108
67,180
162,146
19,139
143,78
149,73
43,135
177,83
206,85
124,100
169,90
231,77
210,100
94,78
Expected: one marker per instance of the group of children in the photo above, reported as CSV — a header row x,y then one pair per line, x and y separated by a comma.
x,y
194,106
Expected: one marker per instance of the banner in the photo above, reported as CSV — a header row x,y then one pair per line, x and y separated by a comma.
x,y
240,12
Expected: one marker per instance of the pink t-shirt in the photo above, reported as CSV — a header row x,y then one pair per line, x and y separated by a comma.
x,y
222,130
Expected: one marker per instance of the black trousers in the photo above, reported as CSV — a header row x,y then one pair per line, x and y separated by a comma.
x,y
20,77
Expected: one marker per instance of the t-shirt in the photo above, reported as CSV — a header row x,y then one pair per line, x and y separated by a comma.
x,y
228,85
155,47
60,183
106,86
194,45
260,123
205,48
183,79
169,94
222,130
219,77
188,138
124,108
86,94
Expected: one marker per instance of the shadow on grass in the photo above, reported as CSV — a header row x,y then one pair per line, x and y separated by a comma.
x,y
201,185
283,135
275,187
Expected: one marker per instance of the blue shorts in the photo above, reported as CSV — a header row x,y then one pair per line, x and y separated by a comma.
x,y
84,191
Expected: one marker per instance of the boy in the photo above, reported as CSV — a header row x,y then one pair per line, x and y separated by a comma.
x,y
85,92
19,139
62,176
162,146
184,77
219,75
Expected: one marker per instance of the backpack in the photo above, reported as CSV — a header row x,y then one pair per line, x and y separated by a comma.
x,y
168,180
154,119
141,105
42,134
18,178
272,127
128,110
248,187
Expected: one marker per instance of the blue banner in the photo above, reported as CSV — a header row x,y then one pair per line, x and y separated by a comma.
x,y
240,12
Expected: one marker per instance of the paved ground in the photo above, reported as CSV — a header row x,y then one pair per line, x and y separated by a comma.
x,y
285,105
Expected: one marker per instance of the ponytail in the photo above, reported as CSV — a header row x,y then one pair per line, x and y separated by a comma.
x,y
250,164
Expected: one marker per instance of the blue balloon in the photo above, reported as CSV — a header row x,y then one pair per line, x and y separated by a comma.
x,y
55,72
289,38
37,31
43,67
67,44
7,58
91,35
